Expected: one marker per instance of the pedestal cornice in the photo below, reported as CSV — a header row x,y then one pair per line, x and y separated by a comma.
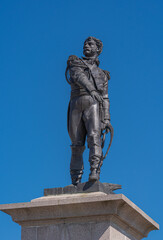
x,y
82,207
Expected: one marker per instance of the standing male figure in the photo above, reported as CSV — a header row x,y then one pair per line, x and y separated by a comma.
x,y
88,112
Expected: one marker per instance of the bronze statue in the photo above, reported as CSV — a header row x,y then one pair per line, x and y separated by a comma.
x,y
88,112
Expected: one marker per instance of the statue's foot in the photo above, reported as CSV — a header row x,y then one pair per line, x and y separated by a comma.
x,y
76,181
76,176
94,176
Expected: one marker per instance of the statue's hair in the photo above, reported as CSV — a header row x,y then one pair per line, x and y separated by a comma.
x,y
98,43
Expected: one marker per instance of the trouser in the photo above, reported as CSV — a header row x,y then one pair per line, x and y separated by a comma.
x,y
84,121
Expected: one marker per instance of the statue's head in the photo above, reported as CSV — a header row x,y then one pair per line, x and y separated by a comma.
x,y
92,47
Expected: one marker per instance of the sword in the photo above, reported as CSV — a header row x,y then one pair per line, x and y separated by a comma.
x,y
103,135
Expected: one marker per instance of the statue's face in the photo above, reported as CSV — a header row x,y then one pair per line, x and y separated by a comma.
x,y
90,48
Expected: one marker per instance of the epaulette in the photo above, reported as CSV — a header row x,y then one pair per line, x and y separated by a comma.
x,y
73,60
107,73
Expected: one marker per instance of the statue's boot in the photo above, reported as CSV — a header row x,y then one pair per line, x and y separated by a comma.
x,y
94,175
76,176
76,166
100,165
94,144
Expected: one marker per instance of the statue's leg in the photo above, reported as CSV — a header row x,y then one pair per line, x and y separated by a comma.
x,y
92,123
100,165
76,166
77,133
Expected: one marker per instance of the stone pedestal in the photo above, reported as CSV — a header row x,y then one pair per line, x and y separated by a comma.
x,y
82,216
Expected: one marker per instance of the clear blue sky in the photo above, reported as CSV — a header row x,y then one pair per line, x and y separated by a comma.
x,y
36,39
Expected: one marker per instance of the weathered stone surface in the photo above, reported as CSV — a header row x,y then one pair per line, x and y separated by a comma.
x,y
86,187
83,216
101,230
48,232
93,230
29,233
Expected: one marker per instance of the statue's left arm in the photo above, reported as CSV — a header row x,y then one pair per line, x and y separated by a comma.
x,y
106,102
106,107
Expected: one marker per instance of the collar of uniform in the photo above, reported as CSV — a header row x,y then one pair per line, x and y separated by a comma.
x,y
91,60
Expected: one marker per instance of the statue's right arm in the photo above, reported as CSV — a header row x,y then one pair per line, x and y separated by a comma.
x,y
78,76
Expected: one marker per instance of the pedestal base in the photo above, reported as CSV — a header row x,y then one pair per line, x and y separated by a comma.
x,y
85,216
86,187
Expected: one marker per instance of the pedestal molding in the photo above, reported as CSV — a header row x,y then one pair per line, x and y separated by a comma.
x,y
86,208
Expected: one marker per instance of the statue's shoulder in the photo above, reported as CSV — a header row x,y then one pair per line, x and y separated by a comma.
x,y
107,73
73,60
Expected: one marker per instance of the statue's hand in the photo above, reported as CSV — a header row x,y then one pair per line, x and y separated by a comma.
x,y
96,96
105,125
